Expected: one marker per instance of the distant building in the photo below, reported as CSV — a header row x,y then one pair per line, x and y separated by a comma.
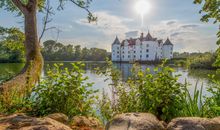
x,y
144,48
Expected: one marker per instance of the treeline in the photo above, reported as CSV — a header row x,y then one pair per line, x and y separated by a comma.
x,y
55,51
195,60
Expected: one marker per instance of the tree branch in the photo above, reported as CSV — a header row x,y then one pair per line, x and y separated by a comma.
x,y
84,6
20,6
46,20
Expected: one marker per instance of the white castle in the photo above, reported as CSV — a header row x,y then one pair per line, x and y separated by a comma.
x,y
141,49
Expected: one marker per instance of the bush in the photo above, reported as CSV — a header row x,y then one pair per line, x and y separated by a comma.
x,y
213,102
202,61
65,91
158,93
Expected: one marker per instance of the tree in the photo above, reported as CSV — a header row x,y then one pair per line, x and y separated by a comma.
x,y
77,52
34,61
11,45
211,11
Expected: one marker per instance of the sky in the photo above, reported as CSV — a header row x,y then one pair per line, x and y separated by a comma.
x,y
177,19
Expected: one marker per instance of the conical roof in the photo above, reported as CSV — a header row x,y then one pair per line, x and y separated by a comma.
x,y
116,41
149,37
168,42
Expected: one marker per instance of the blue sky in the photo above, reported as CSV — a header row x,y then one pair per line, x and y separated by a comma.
x,y
177,19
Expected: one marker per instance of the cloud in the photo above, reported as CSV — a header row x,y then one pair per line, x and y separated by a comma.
x,y
171,22
131,34
190,26
185,36
108,24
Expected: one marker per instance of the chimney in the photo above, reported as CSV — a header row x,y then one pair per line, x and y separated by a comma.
x,y
142,36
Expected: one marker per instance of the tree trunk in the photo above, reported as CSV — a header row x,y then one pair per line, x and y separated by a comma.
x,y
30,74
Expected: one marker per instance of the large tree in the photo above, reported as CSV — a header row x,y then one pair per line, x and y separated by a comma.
x,y
34,61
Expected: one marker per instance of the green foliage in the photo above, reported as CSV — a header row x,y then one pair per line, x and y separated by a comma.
x,y
64,90
214,101
9,6
201,61
158,93
104,108
53,51
14,102
192,104
11,45
195,60
211,11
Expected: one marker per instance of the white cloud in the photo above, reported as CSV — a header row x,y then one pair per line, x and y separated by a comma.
x,y
185,36
108,24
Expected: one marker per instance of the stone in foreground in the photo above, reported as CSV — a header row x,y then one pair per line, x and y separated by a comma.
x,y
59,117
85,123
135,121
194,123
24,122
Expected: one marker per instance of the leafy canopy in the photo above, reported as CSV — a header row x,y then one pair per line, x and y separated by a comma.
x,y
10,6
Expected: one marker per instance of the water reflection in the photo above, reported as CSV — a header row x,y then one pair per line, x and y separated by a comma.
x,y
7,70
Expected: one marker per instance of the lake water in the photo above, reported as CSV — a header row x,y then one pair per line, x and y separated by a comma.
x,y
192,76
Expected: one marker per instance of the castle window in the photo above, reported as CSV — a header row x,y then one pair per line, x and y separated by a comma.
x,y
147,56
117,47
117,56
147,50
123,56
140,51
123,52
134,56
134,51
147,45
128,56
128,52
118,52
140,56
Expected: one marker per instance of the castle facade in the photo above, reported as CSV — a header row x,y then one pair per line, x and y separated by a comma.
x,y
144,48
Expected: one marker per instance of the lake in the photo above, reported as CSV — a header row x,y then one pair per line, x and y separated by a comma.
x,y
192,76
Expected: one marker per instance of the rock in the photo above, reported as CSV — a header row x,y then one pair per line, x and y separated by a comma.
x,y
59,117
135,121
24,122
85,123
194,123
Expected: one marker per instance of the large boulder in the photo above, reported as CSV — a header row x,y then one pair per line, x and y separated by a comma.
x,y
24,122
85,123
194,123
135,121
59,117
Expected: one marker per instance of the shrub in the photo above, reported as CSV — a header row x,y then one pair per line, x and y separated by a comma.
x,y
202,61
213,102
158,93
64,90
